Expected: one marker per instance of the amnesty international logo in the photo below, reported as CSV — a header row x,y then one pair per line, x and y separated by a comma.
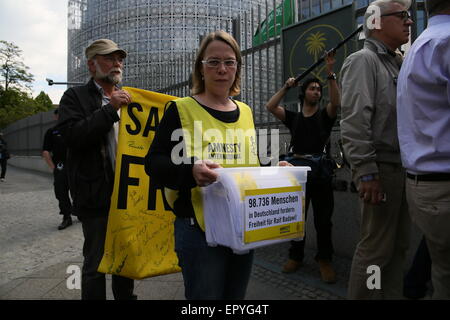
x,y
311,45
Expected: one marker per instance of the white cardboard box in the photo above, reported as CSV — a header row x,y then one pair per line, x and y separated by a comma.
x,y
251,207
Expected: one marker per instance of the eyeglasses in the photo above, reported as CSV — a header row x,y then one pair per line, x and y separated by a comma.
x,y
404,15
112,59
214,63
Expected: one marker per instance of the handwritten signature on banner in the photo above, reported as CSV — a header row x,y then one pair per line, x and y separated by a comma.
x,y
139,241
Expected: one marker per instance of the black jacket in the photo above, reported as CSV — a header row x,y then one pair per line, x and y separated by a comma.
x,y
84,125
4,149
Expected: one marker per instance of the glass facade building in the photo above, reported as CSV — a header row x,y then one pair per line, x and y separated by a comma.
x,y
153,32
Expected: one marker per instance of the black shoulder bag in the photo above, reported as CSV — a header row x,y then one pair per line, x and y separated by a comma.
x,y
321,164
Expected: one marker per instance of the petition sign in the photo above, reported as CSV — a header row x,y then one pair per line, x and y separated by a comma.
x,y
273,213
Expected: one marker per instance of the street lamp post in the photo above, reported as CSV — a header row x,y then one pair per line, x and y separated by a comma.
x,y
51,82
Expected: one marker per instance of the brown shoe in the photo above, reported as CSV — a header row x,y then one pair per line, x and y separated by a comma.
x,y
326,271
291,266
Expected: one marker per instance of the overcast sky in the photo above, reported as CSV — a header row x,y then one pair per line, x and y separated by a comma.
x,y
39,29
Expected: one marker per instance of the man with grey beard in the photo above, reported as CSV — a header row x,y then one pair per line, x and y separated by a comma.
x,y
88,122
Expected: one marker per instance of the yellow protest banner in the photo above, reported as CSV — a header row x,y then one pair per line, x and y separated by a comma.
x,y
140,239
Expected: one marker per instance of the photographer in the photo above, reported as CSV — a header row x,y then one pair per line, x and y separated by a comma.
x,y
310,131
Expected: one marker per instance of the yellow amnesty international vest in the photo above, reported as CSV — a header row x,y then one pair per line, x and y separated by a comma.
x,y
206,138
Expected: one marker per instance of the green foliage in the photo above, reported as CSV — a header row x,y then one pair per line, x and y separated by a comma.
x,y
16,105
43,102
15,100
13,71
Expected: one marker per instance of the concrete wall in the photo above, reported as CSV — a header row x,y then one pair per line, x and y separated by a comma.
x,y
25,137
35,163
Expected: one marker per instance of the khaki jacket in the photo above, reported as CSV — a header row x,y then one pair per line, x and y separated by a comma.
x,y
368,108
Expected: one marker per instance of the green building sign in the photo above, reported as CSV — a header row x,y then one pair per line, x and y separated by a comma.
x,y
268,29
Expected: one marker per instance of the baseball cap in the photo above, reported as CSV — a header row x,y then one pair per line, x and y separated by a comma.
x,y
103,46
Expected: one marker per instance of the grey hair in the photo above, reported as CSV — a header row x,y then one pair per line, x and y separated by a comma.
x,y
383,6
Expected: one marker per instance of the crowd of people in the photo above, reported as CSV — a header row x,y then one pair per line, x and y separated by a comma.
x,y
395,129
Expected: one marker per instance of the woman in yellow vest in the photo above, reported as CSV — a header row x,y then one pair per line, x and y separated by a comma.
x,y
194,137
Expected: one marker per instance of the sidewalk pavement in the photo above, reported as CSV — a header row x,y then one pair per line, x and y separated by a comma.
x,y
37,255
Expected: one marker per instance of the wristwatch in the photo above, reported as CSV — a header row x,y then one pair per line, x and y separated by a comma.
x,y
332,76
367,177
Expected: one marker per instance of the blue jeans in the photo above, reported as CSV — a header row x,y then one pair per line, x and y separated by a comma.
x,y
209,273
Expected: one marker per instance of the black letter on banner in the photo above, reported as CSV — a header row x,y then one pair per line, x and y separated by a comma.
x,y
130,108
152,197
126,180
148,125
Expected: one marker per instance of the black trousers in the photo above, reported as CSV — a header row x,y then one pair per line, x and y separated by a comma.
x,y
3,165
320,194
61,188
93,283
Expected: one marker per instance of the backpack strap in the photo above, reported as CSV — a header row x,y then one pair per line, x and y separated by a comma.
x,y
294,129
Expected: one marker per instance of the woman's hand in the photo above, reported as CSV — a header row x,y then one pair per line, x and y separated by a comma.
x,y
284,164
203,173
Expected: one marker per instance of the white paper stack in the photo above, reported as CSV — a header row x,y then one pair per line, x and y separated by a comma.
x,y
224,206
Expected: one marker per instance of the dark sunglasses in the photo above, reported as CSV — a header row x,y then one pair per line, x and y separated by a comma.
x,y
404,15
